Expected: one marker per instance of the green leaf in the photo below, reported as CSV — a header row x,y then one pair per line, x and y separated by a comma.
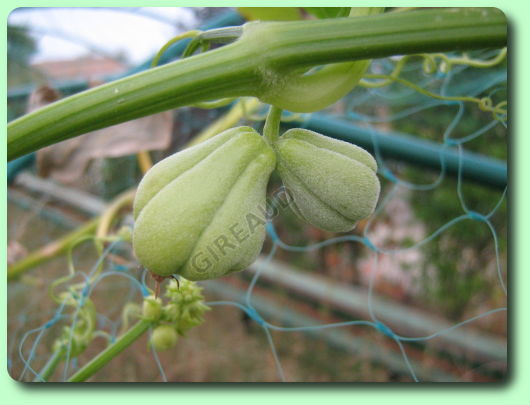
x,y
328,12
270,13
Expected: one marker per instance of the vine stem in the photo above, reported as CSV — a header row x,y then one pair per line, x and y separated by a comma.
x,y
262,59
144,161
98,226
125,199
49,368
98,362
50,250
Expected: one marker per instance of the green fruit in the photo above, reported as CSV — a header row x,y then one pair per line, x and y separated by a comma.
x,y
333,184
164,337
199,212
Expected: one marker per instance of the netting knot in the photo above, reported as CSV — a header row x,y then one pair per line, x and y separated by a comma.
x,y
272,232
476,216
252,313
145,291
451,142
369,244
50,323
120,267
389,175
385,330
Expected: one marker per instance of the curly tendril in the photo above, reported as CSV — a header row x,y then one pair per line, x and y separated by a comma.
x,y
443,63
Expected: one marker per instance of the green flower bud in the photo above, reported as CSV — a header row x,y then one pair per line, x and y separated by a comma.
x,y
164,337
199,213
186,307
172,312
152,308
333,184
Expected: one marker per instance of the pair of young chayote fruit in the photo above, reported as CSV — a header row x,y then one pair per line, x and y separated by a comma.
x,y
201,214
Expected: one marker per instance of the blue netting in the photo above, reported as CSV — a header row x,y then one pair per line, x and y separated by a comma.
x,y
409,106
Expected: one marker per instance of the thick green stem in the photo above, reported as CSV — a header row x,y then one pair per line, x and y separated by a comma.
x,y
310,92
262,59
98,362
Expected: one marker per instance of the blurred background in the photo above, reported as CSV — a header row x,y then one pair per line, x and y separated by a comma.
x,y
428,273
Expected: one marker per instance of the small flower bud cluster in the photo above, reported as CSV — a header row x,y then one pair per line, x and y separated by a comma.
x,y
184,310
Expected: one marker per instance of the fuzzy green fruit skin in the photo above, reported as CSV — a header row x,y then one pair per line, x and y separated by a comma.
x,y
333,183
198,212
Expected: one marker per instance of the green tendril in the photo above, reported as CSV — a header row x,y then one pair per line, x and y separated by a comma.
x,y
444,64
222,102
202,40
215,36
189,34
485,103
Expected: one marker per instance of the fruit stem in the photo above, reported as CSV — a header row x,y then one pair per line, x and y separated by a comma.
x,y
271,128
